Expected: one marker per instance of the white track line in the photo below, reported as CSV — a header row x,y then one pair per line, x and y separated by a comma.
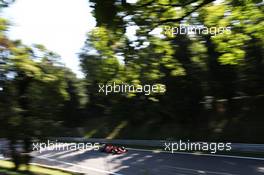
x,y
76,165
55,168
199,171
201,154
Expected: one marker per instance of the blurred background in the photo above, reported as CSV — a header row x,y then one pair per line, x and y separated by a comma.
x,y
214,84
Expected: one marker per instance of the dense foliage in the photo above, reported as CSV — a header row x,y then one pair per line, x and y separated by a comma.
x,y
214,83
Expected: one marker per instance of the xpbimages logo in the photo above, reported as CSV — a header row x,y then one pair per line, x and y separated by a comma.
x,y
60,146
194,30
130,88
196,146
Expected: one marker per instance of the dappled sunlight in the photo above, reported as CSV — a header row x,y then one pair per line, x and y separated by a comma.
x,y
91,133
260,169
138,73
117,130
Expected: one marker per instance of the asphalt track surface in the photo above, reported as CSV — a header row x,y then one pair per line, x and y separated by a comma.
x,y
142,162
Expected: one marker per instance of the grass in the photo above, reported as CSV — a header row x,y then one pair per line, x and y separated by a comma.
x,y
121,128
6,169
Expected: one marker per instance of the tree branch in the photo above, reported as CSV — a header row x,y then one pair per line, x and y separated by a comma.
x,y
180,4
188,13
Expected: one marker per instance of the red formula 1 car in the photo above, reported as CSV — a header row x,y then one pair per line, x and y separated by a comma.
x,y
108,148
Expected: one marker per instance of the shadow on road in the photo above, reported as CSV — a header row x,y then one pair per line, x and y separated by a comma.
x,y
150,163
